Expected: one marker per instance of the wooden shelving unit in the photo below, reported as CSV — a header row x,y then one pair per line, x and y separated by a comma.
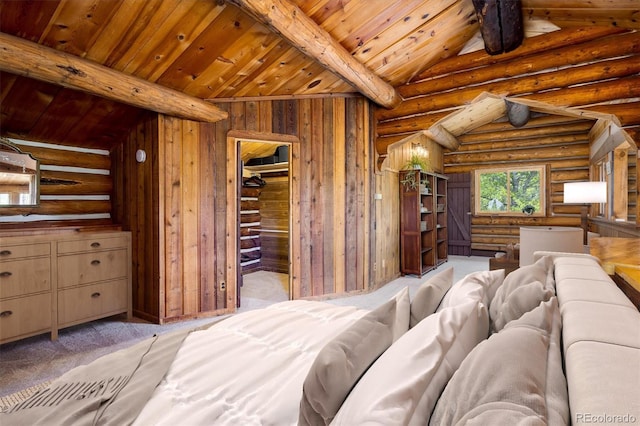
x,y
423,221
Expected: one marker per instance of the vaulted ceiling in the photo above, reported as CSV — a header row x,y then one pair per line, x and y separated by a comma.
x,y
218,51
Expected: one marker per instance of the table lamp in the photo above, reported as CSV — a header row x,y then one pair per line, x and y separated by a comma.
x,y
585,193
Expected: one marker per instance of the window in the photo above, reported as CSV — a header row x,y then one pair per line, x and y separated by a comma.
x,y
510,191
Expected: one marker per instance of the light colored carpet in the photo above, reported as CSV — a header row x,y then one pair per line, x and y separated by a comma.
x,y
30,362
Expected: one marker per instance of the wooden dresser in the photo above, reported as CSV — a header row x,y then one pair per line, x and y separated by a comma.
x,y
48,282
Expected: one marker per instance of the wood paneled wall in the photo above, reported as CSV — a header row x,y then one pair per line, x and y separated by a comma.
x,y
274,207
175,203
168,202
331,175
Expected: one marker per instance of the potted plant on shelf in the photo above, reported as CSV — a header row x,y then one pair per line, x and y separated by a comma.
x,y
409,181
417,162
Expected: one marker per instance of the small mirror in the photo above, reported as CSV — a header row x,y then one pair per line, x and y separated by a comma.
x,y
19,177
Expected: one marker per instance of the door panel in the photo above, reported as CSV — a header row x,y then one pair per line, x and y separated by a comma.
x,y
459,211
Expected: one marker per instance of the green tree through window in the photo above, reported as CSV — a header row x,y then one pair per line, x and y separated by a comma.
x,y
510,191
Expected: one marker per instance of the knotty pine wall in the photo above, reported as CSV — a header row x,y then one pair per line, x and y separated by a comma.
x,y
601,66
175,203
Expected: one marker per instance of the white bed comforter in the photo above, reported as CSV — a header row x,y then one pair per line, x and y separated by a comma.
x,y
247,370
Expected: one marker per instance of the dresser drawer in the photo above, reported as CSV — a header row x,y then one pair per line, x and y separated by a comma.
x,y
21,277
92,244
27,315
30,250
91,301
85,268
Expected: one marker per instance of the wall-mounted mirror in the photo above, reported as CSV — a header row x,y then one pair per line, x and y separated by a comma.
x,y
19,177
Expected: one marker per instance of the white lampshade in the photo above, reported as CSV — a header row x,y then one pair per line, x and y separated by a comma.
x,y
585,192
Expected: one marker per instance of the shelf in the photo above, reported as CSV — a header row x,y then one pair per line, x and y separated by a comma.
x,y
421,251
275,167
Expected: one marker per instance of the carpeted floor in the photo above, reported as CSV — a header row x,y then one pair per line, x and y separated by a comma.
x,y
30,362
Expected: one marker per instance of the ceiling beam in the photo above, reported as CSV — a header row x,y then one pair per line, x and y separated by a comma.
x,y
302,32
40,62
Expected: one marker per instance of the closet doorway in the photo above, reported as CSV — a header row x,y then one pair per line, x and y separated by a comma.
x,y
264,217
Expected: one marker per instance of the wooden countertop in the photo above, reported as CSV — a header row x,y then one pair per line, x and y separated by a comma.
x,y
614,252
630,275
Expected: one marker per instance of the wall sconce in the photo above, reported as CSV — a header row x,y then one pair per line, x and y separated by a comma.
x,y
141,156
585,193
417,149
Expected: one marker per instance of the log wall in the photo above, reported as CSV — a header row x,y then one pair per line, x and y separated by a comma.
x,y
601,67
75,188
176,205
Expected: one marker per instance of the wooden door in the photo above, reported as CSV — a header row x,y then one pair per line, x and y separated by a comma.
x,y
459,212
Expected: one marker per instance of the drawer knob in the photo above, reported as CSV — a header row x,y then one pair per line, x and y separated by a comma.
x,y
5,314
95,262
5,274
96,294
95,245
5,253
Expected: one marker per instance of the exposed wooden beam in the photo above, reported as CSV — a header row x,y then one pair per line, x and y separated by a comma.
x,y
36,61
290,21
443,137
501,24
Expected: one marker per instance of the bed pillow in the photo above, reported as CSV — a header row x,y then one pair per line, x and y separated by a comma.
x,y
429,295
522,291
342,361
403,385
403,313
480,286
514,377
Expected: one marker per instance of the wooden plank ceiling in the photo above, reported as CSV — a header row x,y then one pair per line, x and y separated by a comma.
x,y
216,51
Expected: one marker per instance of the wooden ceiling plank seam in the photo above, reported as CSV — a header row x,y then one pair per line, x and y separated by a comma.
x,y
7,80
329,84
531,46
49,122
377,24
117,32
160,43
13,15
235,62
210,43
271,73
240,78
180,38
78,24
446,47
272,56
46,64
320,10
417,37
304,34
602,49
290,72
520,86
16,118
160,16
422,15
53,18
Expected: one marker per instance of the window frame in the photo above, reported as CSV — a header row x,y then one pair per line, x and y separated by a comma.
x,y
541,169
